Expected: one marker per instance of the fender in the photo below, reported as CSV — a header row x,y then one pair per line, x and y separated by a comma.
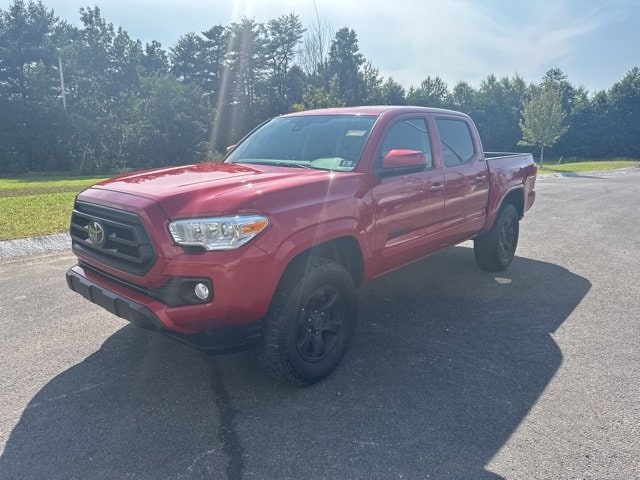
x,y
496,203
316,234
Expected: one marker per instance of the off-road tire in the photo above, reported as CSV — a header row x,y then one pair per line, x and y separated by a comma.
x,y
310,322
495,250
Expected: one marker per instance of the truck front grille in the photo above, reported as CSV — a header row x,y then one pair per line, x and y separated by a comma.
x,y
111,236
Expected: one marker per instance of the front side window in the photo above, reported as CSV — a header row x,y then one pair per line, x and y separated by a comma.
x,y
456,141
408,135
327,142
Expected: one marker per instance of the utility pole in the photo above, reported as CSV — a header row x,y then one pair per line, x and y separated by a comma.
x,y
64,96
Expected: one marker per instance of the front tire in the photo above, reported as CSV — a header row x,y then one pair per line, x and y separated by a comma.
x,y
495,250
310,322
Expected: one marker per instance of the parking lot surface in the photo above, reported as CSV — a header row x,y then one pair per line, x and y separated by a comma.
x,y
453,372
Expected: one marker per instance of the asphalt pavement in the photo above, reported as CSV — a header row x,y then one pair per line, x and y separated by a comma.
x,y
533,373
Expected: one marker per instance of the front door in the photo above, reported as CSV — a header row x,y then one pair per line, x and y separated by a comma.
x,y
408,206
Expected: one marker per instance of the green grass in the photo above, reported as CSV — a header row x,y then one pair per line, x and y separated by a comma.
x,y
587,166
31,206
19,186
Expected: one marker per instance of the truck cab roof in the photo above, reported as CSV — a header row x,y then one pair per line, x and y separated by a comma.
x,y
373,110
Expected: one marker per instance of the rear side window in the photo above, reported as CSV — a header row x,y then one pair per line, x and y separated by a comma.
x,y
456,140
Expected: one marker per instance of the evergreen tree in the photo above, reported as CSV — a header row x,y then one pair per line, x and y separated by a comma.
x,y
155,60
432,92
283,36
344,65
214,52
624,114
496,108
393,93
372,93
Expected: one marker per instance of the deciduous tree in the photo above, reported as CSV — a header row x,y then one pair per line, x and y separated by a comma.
x,y
543,120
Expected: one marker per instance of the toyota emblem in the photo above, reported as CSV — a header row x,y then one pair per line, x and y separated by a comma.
x,y
96,233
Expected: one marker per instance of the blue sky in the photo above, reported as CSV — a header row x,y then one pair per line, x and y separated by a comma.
x,y
594,42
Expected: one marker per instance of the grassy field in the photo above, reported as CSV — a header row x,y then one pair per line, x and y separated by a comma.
x,y
587,166
31,206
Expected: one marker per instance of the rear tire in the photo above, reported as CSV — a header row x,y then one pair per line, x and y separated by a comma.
x,y
310,322
495,250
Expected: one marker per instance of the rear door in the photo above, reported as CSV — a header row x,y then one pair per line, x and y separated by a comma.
x,y
466,178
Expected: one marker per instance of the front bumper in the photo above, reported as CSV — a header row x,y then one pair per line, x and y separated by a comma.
x,y
225,339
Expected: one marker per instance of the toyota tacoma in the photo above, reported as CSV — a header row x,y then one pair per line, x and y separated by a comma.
x,y
266,249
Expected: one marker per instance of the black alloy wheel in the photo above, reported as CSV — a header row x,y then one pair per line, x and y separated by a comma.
x,y
309,325
495,250
319,324
507,238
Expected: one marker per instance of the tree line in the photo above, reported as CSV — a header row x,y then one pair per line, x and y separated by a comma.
x,y
90,98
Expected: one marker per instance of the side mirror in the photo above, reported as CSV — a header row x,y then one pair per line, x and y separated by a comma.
x,y
230,149
401,159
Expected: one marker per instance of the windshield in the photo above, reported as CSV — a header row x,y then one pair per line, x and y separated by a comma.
x,y
327,142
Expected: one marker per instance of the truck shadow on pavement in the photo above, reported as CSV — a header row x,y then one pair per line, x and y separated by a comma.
x,y
446,362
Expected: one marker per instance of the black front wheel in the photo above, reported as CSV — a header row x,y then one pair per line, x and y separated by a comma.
x,y
310,322
320,324
495,250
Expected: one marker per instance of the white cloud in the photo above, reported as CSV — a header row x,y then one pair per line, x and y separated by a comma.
x,y
459,40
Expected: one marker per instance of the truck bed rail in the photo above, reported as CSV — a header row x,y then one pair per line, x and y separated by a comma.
x,y
492,155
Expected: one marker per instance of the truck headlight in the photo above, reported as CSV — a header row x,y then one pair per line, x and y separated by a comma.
x,y
220,233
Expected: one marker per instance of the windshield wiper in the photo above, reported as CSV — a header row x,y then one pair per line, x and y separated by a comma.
x,y
276,163
300,165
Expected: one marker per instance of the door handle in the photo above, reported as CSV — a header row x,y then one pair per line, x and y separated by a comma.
x,y
480,178
436,187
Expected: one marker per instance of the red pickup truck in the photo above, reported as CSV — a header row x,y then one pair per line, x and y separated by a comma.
x,y
266,249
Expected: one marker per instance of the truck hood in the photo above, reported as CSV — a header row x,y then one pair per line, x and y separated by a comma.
x,y
211,188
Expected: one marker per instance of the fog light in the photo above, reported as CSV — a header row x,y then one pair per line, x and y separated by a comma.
x,y
201,291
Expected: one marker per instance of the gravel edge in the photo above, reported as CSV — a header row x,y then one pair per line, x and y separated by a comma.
x,y
27,247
